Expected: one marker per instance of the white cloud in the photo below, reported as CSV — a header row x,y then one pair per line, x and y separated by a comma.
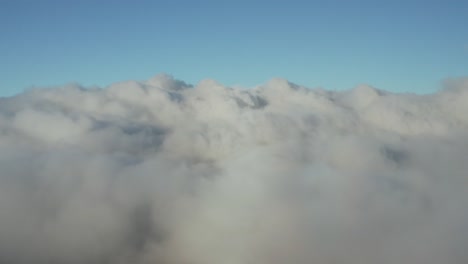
x,y
163,172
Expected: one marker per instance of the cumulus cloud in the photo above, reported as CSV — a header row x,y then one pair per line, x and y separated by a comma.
x,y
165,172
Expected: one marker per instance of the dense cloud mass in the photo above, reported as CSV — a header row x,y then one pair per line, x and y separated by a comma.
x,y
163,172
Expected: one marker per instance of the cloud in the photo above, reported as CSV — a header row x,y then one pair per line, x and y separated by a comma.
x,y
164,172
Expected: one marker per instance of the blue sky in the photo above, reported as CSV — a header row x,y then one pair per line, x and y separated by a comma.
x,y
392,45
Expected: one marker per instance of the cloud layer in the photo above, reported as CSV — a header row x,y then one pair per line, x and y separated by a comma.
x,y
163,172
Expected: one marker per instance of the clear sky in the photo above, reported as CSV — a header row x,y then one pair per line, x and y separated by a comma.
x,y
393,45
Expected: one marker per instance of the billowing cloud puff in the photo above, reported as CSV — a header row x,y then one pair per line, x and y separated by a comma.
x,y
164,172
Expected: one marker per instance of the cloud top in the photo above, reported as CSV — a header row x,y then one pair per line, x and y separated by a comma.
x,y
161,171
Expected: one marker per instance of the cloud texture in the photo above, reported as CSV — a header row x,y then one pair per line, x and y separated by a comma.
x,y
162,172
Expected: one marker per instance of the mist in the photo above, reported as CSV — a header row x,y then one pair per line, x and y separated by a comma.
x,y
161,171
